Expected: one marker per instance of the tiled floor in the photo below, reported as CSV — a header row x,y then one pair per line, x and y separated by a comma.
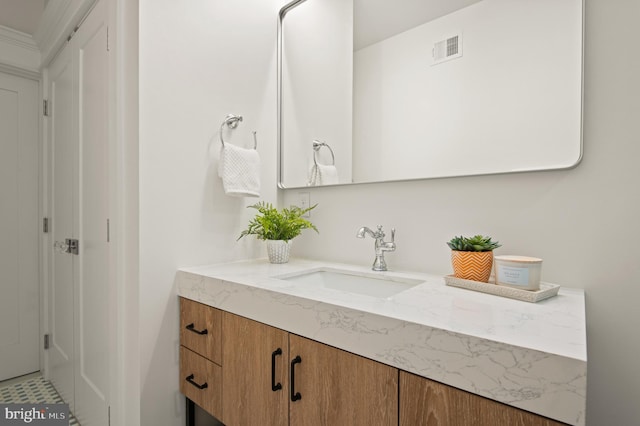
x,y
32,388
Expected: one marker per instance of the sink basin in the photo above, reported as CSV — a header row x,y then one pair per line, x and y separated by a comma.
x,y
381,286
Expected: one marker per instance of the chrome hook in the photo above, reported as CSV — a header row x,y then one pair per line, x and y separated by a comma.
x,y
232,121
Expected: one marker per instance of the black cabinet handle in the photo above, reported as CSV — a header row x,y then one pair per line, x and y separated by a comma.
x,y
275,386
191,326
295,396
189,379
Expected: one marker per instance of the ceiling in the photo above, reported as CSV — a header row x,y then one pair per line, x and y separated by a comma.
x,y
22,15
377,20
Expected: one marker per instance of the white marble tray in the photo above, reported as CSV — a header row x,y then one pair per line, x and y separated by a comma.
x,y
546,290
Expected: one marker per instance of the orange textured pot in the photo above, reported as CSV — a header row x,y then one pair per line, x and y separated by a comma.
x,y
472,265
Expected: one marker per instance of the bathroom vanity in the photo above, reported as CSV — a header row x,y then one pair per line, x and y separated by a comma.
x,y
275,344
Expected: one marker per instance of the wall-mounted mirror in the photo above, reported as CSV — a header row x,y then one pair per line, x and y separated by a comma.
x,y
373,90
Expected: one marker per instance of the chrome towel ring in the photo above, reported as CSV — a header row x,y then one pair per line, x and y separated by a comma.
x,y
232,122
316,147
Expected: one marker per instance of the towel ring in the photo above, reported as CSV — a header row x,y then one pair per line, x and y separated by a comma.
x,y
316,147
232,122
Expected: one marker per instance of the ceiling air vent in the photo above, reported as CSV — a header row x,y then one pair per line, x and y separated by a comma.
x,y
447,49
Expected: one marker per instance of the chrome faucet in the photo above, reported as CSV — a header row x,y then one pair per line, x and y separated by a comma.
x,y
381,245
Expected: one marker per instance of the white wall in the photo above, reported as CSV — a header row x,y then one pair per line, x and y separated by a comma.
x,y
510,102
582,222
199,61
203,59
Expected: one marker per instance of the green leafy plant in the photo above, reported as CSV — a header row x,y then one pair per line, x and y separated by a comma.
x,y
475,243
273,224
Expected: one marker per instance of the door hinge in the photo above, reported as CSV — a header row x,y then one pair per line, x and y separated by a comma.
x,y
46,341
73,245
45,107
108,231
75,30
107,39
45,225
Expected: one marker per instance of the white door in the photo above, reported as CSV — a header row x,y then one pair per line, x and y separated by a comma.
x,y
19,226
92,267
80,282
63,150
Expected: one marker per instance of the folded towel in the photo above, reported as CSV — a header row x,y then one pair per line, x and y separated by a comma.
x,y
321,174
239,169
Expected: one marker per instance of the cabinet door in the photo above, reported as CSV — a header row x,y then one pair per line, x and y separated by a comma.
x,y
427,403
200,329
201,381
340,388
254,375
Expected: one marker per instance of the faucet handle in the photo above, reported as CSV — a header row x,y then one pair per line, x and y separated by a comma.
x,y
393,235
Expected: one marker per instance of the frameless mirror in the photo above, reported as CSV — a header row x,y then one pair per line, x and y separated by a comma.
x,y
373,90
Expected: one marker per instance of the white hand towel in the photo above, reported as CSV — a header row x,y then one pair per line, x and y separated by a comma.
x,y
239,169
321,174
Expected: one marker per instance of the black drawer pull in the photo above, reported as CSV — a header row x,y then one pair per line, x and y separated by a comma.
x,y
295,396
275,386
189,379
191,326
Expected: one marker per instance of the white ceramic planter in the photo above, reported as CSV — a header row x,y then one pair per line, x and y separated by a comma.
x,y
278,251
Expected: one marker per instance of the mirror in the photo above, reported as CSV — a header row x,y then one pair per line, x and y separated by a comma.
x,y
374,91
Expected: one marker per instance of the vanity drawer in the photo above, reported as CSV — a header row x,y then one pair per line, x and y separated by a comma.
x,y
201,381
201,329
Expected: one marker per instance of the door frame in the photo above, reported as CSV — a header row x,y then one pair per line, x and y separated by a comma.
x,y
122,18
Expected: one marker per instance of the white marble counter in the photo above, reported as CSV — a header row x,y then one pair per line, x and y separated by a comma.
x,y
529,355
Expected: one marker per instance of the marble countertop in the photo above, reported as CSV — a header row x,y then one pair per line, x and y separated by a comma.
x,y
529,355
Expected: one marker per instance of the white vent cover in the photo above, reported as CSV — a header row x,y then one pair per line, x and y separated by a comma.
x,y
447,49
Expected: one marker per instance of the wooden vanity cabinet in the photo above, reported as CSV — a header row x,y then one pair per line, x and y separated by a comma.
x,y
272,377
339,388
245,373
255,374
424,402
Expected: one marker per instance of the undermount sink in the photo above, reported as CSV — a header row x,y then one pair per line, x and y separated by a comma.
x,y
369,284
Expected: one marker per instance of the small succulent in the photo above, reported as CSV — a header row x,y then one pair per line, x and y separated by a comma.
x,y
476,243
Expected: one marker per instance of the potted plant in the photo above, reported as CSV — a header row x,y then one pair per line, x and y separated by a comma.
x,y
472,258
278,228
